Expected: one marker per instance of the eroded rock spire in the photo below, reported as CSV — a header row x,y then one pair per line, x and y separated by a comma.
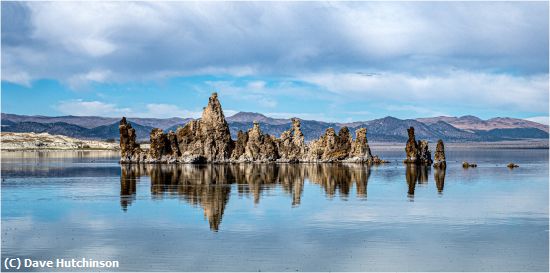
x,y
439,157
208,139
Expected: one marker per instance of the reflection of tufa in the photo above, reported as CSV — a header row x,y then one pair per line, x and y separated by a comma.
x,y
208,140
208,186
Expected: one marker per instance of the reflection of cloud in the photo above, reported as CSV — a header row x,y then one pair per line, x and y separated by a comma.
x,y
498,226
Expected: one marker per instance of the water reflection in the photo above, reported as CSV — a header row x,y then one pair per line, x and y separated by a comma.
x,y
209,186
411,177
439,177
419,174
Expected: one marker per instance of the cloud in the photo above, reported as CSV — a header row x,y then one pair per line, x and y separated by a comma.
x,y
167,110
542,119
415,111
139,41
91,108
97,108
474,90
97,76
304,116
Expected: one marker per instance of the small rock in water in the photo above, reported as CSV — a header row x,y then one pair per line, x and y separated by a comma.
x,y
465,164
511,165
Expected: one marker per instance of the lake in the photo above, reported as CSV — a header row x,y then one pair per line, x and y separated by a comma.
x,y
280,217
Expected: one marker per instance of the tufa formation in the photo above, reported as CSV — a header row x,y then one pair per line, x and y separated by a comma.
x,y
512,165
418,152
208,140
439,157
467,165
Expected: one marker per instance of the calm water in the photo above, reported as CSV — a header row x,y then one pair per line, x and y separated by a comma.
x,y
309,217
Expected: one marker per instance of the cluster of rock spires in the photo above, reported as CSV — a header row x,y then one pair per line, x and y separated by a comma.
x,y
419,152
208,140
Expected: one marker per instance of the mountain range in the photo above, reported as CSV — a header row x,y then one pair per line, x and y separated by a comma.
x,y
388,129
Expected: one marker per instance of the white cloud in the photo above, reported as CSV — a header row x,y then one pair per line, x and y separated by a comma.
x,y
91,108
17,77
478,90
167,110
304,116
97,108
97,76
257,85
542,119
415,111
143,40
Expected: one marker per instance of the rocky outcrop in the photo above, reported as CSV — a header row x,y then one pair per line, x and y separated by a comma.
x,y
439,157
129,148
330,147
360,150
159,144
291,145
512,165
424,153
255,146
208,140
466,165
417,152
174,150
411,149
163,148
240,145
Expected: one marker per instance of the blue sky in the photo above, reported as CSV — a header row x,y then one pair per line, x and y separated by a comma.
x,y
332,61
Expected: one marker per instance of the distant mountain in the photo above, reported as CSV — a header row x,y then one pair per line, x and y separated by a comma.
x,y
472,123
247,117
61,128
388,129
93,121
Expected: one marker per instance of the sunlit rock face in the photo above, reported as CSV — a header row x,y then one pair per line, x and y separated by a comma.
x,y
163,147
330,147
291,145
424,153
208,138
411,149
360,150
129,148
240,145
258,147
417,152
439,157
159,145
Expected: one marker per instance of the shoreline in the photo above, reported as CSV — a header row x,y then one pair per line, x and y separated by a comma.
x,y
520,144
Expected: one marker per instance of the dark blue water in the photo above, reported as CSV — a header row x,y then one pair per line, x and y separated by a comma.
x,y
308,217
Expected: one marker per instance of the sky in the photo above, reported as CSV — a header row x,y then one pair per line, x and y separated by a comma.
x,y
331,61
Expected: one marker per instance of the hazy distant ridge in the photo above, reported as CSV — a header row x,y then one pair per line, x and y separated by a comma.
x,y
388,129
